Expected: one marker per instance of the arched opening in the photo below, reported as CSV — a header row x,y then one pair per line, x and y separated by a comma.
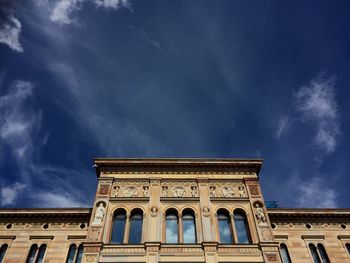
x,y
224,224
135,233
323,253
189,227
32,253
241,227
71,253
118,228
285,254
314,253
3,250
172,226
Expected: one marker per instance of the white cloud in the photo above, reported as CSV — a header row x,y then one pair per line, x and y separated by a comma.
x,y
10,33
315,193
115,4
52,199
316,102
283,125
10,193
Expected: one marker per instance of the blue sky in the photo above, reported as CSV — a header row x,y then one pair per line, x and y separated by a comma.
x,y
133,78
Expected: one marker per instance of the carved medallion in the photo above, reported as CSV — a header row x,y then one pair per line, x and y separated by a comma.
x,y
227,191
131,191
179,191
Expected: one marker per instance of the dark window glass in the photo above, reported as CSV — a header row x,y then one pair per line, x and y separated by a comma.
x,y
172,228
241,227
225,232
118,227
189,227
41,254
32,253
314,253
348,247
135,233
80,254
323,253
3,252
71,253
285,254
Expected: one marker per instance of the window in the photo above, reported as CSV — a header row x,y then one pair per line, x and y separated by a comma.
x,y
319,254
36,254
135,233
189,227
241,227
347,245
224,223
285,254
75,254
172,227
3,250
118,228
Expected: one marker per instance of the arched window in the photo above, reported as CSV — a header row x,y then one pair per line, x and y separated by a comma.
x,y
118,228
3,250
285,254
347,245
135,233
323,253
224,223
36,255
172,226
75,255
314,253
189,227
241,227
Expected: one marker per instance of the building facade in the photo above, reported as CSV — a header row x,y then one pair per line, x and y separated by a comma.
x,y
175,210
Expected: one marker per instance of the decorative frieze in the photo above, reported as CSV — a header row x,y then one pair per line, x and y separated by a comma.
x,y
227,190
179,189
130,189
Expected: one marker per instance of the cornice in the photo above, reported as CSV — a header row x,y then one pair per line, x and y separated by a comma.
x,y
302,213
45,213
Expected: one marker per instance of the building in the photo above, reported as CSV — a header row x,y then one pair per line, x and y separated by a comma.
x,y
176,210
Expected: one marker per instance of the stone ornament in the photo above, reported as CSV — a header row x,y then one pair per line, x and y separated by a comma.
x,y
99,214
241,191
104,189
206,211
116,190
146,191
94,234
228,191
194,192
266,234
259,214
164,191
212,191
253,189
27,226
154,211
131,191
179,191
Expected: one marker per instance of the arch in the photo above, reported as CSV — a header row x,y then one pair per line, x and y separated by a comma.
x,y
71,253
189,226
284,253
136,222
118,228
323,253
241,226
192,208
3,250
171,226
32,253
41,254
314,253
225,227
80,252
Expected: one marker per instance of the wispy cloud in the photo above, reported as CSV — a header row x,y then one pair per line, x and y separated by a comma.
x,y
316,103
10,32
315,193
55,199
10,193
115,4
283,125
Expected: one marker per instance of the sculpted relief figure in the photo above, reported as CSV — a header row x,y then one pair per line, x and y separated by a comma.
x,y
145,191
228,191
259,213
131,192
179,192
241,191
164,191
194,192
100,213
212,191
116,189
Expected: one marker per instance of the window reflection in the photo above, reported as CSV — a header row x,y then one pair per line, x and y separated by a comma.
x,y
323,253
285,254
71,254
241,227
172,230
41,254
3,252
135,232
189,227
32,253
118,227
314,253
224,223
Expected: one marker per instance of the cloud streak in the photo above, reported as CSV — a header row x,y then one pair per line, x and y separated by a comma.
x,y
10,33
10,193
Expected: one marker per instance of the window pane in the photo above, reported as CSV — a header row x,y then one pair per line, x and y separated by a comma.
x,y
323,253
241,229
3,252
314,254
71,253
348,247
80,254
32,253
285,254
135,229
224,229
189,228
41,254
172,231
118,228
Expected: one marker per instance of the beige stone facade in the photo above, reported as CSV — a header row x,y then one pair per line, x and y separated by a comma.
x,y
199,203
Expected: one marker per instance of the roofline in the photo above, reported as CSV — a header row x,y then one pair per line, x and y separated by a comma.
x,y
177,162
291,210
51,211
